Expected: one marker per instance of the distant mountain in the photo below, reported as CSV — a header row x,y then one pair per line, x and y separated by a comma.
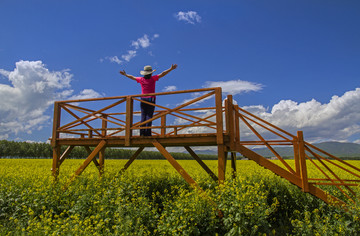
x,y
335,148
347,150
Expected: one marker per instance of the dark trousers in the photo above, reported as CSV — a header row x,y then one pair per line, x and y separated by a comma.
x,y
147,112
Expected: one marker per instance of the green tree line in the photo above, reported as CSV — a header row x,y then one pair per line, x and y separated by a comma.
x,y
12,149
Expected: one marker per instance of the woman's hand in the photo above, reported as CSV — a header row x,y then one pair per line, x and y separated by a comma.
x,y
173,66
123,72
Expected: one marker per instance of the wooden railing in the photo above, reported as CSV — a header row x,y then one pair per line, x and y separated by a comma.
x,y
336,173
105,117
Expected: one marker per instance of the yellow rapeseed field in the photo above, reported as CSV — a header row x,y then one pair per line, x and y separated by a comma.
x,y
151,198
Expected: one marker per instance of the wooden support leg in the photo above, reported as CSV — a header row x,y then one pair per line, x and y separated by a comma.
x,y
55,163
222,156
101,161
92,155
134,156
176,165
233,164
202,164
65,154
96,163
303,168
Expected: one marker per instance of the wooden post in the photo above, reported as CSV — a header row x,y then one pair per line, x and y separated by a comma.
x,y
54,143
233,164
222,157
237,124
202,164
175,164
219,116
220,136
134,156
102,152
296,156
129,120
303,169
163,125
229,117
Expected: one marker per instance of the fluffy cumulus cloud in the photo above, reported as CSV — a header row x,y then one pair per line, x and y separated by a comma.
x,y
190,17
235,86
337,120
30,91
140,43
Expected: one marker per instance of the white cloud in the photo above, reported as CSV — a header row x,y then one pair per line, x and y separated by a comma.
x,y
140,43
130,55
32,90
169,88
143,42
86,93
113,59
337,120
191,17
235,86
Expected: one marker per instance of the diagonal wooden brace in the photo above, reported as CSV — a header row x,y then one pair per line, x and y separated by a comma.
x,y
90,158
175,164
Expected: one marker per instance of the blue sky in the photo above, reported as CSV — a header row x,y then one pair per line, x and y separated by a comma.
x,y
295,63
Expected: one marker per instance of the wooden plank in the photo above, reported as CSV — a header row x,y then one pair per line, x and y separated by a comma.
x,y
219,117
96,163
163,125
229,119
176,165
202,164
233,164
93,114
222,157
92,155
268,164
237,124
82,121
325,197
56,124
269,124
296,156
132,158
267,145
129,120
175,109
303,168
65,154
139,95
102,151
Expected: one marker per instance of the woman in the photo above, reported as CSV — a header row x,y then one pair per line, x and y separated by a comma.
x,y
148,86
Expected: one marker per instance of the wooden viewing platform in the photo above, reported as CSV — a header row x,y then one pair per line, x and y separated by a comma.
x,y
115,122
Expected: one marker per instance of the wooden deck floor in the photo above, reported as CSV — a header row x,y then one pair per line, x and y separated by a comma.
x,y
141,141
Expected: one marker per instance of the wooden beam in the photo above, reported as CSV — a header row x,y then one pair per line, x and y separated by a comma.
x,y
92,155
303,168
96,163
268,164
134,156
219,117
202,164
233,164
65,154
176,165
129,120
222,158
